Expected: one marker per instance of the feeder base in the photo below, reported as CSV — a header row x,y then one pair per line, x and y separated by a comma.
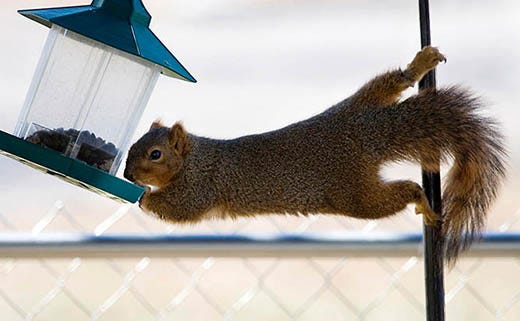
x,y
68,169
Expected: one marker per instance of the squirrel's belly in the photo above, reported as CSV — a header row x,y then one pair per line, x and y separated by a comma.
x,y
217,213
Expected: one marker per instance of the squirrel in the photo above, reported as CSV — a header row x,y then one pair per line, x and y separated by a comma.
x,y
330,162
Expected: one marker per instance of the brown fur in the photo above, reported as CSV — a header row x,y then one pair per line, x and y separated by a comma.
x,y
330,163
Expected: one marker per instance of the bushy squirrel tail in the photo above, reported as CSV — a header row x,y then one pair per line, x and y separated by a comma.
x,y
476,145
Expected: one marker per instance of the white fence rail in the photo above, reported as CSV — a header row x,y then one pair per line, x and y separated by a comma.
x,y
21,245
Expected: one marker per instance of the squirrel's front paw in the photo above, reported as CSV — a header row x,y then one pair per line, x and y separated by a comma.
x,y
144,200
425,60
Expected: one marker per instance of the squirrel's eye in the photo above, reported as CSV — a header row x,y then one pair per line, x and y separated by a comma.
x,y
155,154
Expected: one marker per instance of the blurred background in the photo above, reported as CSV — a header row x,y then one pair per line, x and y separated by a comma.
x,y
260,65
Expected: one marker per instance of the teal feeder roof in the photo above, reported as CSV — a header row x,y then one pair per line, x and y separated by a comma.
x,y
122,24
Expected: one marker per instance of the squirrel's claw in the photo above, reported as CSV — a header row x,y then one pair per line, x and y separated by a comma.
x,y
442,58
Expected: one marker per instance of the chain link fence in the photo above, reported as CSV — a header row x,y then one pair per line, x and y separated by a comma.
x,y
244,288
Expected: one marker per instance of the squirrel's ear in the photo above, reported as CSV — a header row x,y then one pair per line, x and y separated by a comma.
x,y
156,124
179,139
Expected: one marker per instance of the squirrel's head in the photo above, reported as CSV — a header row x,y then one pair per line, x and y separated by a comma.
x,y
158,156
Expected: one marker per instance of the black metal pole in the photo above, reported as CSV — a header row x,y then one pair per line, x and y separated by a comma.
x,y
433,259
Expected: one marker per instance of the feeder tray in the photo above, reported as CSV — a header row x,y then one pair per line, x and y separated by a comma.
x,y
68,169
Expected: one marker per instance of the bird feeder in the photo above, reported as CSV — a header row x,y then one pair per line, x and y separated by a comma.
x,y
96,73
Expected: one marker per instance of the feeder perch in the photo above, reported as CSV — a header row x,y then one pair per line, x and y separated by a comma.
x,y
96,73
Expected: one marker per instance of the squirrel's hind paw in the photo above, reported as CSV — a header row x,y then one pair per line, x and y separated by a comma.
x,y
425,60
430,217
